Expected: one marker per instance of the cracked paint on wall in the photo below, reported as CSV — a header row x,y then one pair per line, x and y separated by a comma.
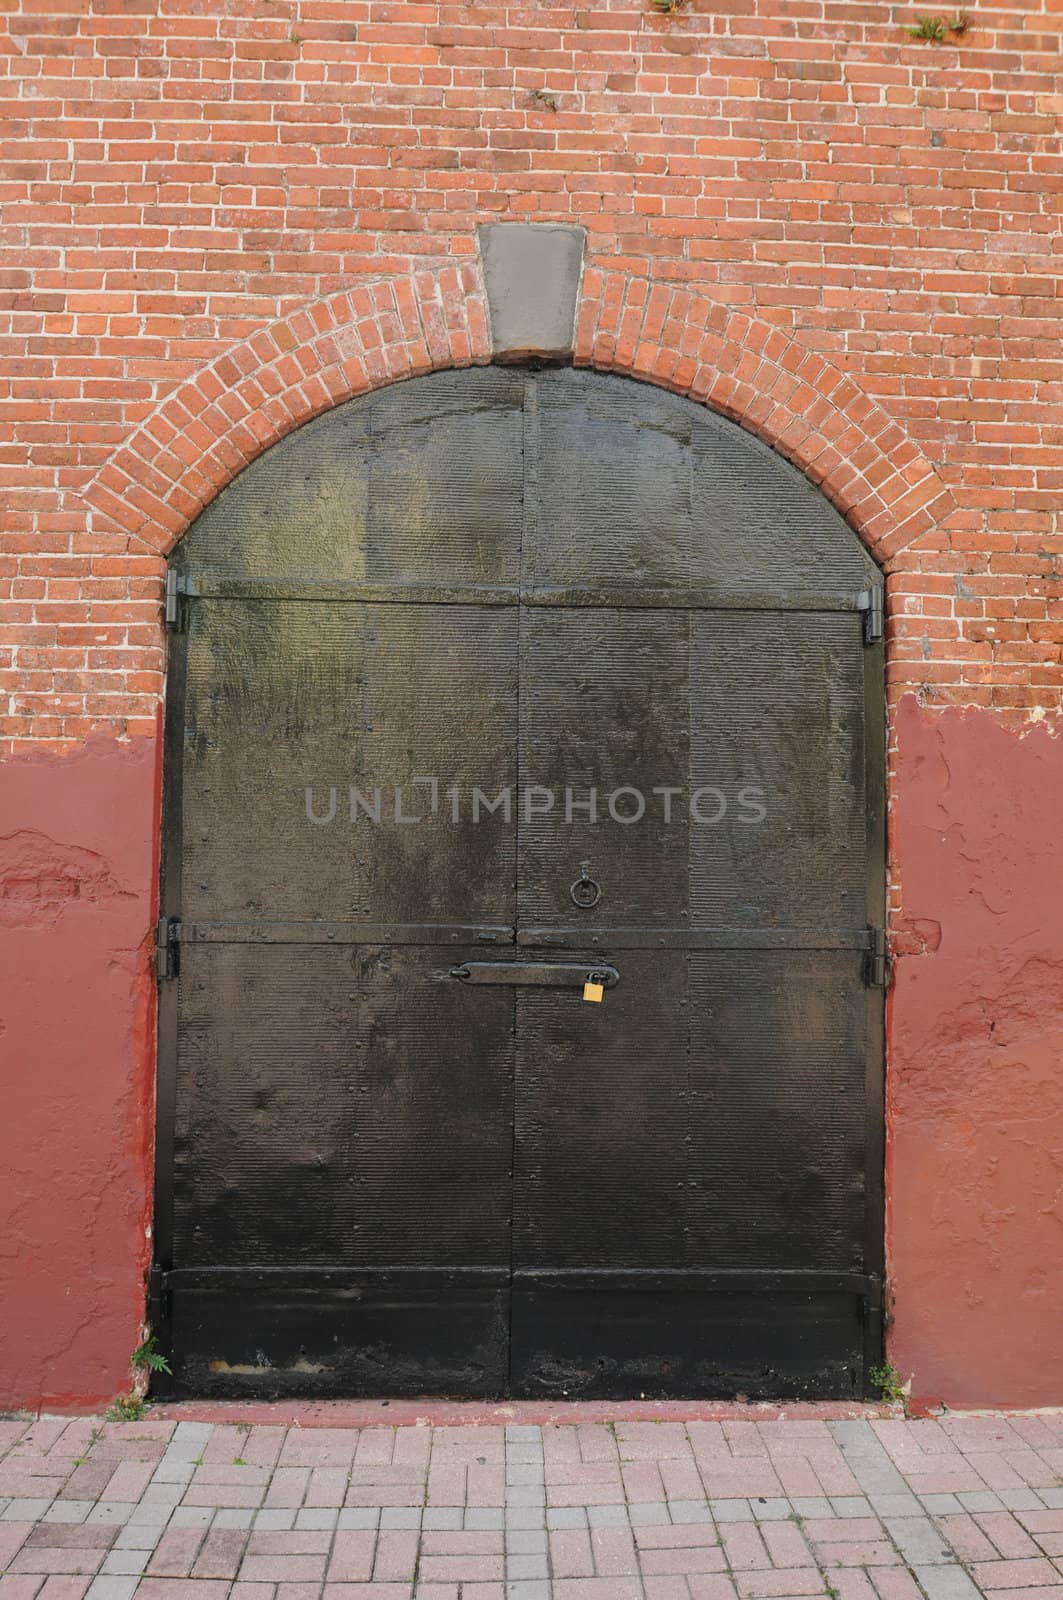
x,y
77,891
975,1083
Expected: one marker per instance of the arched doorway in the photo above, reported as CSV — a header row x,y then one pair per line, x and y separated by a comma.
x,y
523,891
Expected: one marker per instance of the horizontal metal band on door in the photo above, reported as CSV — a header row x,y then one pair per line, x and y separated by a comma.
x,y
345,1282
354,933
692,598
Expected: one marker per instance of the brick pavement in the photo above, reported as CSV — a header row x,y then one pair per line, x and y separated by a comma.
x,y
879,1508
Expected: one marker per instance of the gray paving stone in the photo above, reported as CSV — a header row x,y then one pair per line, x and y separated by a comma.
x,y
518,1472
947,1583
567,1517
648,1514
281,1521
770,1510
163,1494
112,1588
69,1510
195,1516
527,1566
396,1517
521,1433
918,1541
811,1505
173,1471
529,1589
238,1517
527,1541
683,1511
941,1505
154,1515
1019,1499
486,1519
854,1434
524,1450
189,1441
124,1562
137,1538
1052,1498
607,1516
441,1518
349,1517
25,1510
731,1510
525,1494
866,1458
113,1511
524,1516
324,1517
892,1505
979,1500
850,1505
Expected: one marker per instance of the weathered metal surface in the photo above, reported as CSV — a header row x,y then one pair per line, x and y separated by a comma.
x,y
375,1178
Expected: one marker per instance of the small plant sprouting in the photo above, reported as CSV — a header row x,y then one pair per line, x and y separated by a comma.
x,y
146,1358
544,99
667,8
887,1381
126,1408
935,30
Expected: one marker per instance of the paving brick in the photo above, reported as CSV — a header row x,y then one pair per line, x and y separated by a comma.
x,y
221,1553
1037,1571
55,1558
570,1550
176,1552
792,1581
352,1556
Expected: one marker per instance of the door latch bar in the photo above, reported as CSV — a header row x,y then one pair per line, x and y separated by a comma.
x,y
539,974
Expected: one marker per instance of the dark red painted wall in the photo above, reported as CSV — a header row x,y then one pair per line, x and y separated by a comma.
x,y
975,1092
77,875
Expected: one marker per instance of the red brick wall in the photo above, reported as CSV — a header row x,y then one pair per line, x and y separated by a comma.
x,y
220,219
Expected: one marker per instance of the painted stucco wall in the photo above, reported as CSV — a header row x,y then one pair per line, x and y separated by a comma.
x,y
975,1082
77,1010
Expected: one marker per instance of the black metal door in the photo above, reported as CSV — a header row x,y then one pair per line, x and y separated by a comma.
x,y
622,666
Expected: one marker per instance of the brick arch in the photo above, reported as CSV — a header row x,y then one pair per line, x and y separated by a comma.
x,y
762,377
255,393
771,383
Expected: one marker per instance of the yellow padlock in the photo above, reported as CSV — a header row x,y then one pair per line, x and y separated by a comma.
x,y
593,991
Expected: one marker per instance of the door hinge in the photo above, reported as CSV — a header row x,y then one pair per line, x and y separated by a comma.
x,y
876,968
167,939
158,1297
872,603
178,589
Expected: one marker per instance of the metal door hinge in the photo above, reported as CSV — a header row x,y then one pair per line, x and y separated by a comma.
x,y
178,588
872,603
876,969
167,939
158,1297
